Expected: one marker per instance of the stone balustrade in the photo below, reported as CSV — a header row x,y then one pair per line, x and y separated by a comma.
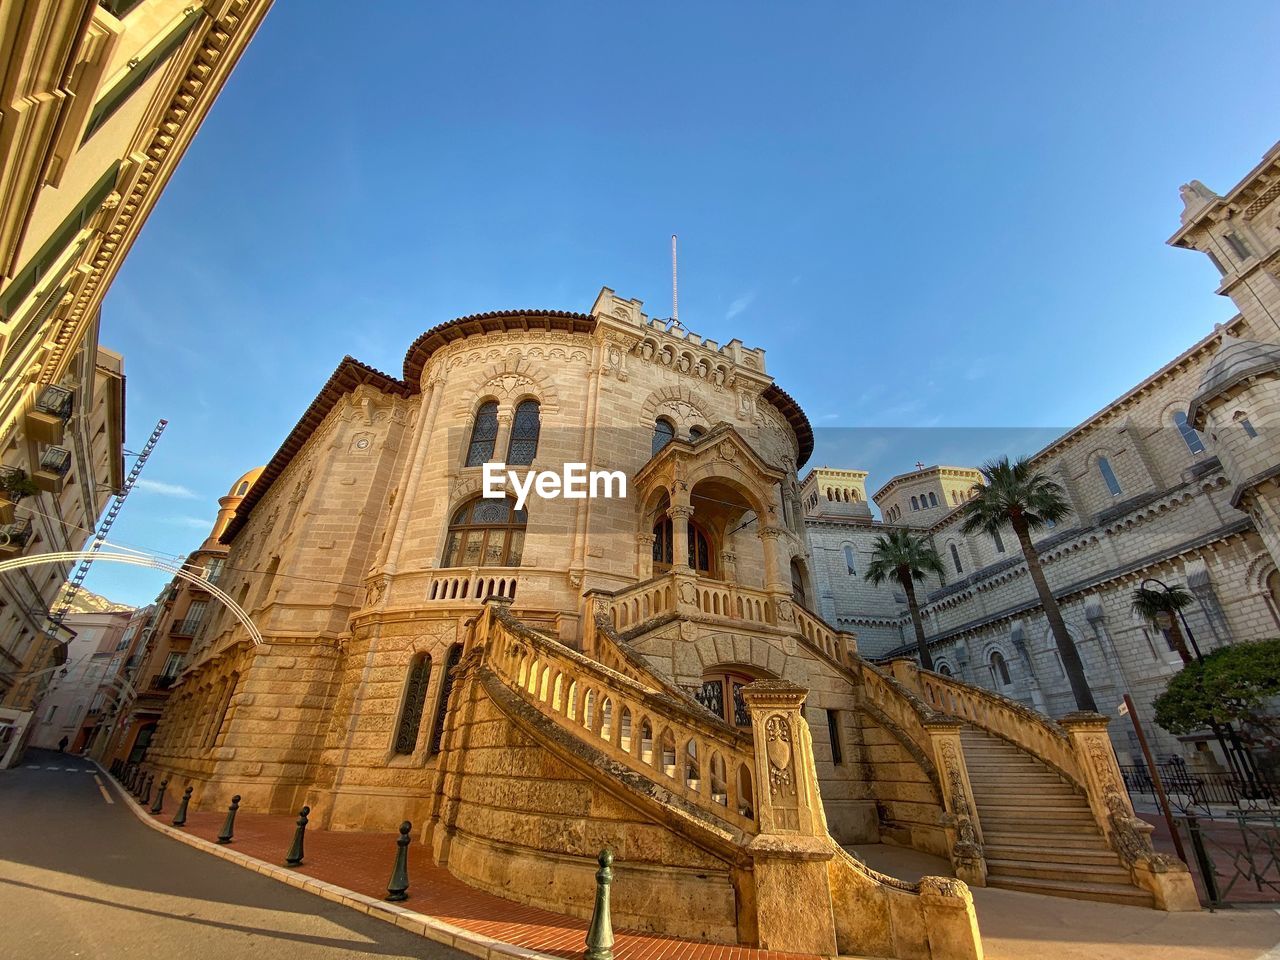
x,y
727,601
686,750
472,584
1020,725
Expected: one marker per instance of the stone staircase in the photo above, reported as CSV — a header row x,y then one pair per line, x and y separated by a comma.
x,y
1038,831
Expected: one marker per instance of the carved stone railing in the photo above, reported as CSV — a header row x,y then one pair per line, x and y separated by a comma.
x,y
472,584
1080,750
704,598
904,715
669,741
1020,725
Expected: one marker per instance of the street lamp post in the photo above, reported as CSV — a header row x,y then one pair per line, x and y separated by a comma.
x,y
1228,740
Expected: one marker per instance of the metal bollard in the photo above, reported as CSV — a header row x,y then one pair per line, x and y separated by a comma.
x,y
294,856
398,888
600,933
229,825
159,804
127,779
180,818
146,790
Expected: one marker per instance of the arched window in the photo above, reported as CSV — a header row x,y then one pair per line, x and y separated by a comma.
x,y
1249,429
915,504
415,698
701,557
955,559
663,433
721,693
243,488
1189,435
523,446
995,538
484,433
696,432
999,669
933,500
848,560
485,533
944,670
1109,476
442,703
798,593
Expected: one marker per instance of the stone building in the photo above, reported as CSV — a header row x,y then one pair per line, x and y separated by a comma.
x,y
179,615
1173,480
68,707
529,681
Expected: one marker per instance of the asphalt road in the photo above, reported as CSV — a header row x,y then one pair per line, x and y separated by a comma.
x,y
81,877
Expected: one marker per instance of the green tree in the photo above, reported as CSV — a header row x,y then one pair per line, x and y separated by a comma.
x,y
1231,685
907,558
1015,493
1160,608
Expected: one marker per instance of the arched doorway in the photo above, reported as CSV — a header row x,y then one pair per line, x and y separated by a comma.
x,y
799,587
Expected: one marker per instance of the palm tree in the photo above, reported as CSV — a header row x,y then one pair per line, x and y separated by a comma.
x,y
1160,607
1017,494
907,557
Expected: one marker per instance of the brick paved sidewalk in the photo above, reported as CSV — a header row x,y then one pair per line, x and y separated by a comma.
x,y
362,862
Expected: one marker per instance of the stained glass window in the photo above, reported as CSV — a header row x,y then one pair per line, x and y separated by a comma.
x,y
663,433
415,698
711,696
524,433
700,556
485,532
484,434
446,688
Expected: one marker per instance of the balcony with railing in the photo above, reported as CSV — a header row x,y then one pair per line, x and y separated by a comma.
x,y
49,415
720,600
14,537
186,627
55,462
472,584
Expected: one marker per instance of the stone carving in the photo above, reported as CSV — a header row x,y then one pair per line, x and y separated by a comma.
x,y
786,612
967,848
777,733
688,592
1129,836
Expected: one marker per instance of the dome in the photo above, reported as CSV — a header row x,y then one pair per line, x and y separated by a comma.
x,y
1236,361
245,482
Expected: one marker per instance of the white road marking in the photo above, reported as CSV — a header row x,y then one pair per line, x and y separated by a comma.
x,y
34,766
101,786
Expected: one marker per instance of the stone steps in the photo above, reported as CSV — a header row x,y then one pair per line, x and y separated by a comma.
x,y
1104,892
1038,831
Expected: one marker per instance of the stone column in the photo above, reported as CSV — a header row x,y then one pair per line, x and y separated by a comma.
x,y
790,854
680,514
1168,880
964,832
505,415
644,555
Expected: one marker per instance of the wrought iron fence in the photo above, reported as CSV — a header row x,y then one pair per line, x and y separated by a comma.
x,y
1238,858
1193,792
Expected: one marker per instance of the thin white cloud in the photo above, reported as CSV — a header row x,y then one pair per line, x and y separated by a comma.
x,y
195,523
166,489
739,305
829,416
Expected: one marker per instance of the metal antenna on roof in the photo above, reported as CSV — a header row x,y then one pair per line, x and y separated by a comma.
x,y
675,295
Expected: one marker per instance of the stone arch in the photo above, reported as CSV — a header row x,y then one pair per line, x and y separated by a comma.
x,y
509,382
678,402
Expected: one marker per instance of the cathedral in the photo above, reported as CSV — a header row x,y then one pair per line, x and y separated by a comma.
x,y
531,679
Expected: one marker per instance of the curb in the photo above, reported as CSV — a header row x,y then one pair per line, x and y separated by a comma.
x,y
423,925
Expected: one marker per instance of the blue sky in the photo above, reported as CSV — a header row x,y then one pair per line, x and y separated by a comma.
x,y
943,222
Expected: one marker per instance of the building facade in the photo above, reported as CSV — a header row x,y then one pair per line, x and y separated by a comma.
x,y
78,455
1173,480
527,681
71,703
179,615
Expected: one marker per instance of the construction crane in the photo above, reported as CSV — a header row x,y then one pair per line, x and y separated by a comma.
x,y
69,595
